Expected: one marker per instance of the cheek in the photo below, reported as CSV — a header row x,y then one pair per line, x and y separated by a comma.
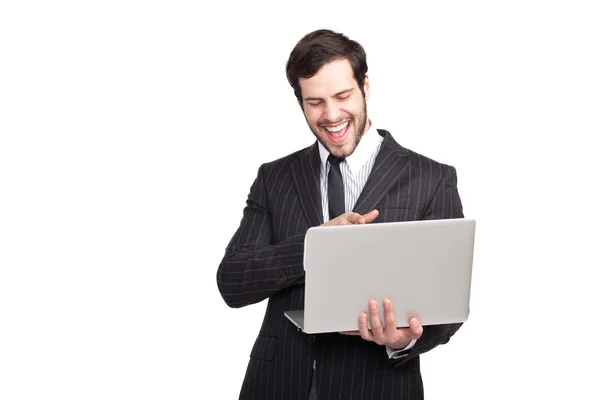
x,y
312,117
356,109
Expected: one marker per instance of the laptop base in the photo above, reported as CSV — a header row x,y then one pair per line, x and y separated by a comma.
x,y
297,317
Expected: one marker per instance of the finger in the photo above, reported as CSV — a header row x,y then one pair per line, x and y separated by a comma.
x,y
351,333
376,326
370,216
416,329
363,327
344,219
391,333
354,218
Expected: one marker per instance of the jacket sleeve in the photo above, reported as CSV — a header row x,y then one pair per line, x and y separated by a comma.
x,y
254,268
444,204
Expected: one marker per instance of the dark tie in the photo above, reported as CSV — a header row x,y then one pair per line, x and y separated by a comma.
x,y
335,191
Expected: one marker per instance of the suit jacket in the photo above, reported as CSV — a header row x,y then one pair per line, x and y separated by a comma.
x,y
264,259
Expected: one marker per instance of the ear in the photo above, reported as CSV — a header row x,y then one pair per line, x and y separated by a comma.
x,y
367,87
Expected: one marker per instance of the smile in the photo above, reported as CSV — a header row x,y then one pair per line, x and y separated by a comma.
x,y
337,134
336,128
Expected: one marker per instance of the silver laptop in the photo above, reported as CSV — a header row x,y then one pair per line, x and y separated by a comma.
x,y
423,267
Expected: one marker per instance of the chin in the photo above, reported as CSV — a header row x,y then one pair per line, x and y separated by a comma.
x,y
342,150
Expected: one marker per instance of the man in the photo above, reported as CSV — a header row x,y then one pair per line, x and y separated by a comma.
x,y
365,176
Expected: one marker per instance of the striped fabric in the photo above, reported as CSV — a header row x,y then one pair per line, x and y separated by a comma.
x,y
264,260
353,183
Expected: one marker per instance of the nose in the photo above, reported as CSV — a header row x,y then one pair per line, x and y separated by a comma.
x,y
332,112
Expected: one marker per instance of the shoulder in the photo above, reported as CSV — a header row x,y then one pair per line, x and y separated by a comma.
x,y
282,166
430,166
419,163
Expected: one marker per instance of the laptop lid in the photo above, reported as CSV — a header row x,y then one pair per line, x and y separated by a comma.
x,y
424,267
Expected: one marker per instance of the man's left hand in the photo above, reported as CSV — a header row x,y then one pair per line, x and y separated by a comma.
x,y
396,338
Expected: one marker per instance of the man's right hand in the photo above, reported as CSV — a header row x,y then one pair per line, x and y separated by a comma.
x,y
351,218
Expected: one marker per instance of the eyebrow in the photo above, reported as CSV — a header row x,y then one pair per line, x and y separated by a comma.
x,y
335,95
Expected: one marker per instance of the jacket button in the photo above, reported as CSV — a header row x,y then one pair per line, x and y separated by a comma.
x,y
311,339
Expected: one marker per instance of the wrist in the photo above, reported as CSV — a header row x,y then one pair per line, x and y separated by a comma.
x,y
402,345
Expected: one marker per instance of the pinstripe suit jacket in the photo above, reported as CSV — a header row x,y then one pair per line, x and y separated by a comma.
x,y
265,260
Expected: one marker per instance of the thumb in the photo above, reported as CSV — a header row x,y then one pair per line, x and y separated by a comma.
x,y
416,328
370,216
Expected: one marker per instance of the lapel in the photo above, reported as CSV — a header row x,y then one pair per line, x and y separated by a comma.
x,y
389,165
306,171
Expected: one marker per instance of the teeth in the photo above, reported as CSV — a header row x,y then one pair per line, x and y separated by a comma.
x,y
337,128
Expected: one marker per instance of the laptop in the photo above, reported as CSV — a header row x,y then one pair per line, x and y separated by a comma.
x,y
423,267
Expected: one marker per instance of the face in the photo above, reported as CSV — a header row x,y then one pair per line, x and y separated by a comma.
x,y
334,107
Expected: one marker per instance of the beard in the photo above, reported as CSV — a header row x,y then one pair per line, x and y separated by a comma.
x,y
358,124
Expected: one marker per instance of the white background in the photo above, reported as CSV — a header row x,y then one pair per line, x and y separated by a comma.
x,y
131,132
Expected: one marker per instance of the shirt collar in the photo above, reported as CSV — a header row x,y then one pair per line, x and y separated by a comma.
x,y
366,147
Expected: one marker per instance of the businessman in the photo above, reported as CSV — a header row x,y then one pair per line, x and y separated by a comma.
x,y
354,173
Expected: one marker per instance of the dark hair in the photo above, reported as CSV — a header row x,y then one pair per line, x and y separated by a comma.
x,y
319,48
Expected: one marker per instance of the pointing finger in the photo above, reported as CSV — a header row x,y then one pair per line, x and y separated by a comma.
x,y
370,216
355,218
